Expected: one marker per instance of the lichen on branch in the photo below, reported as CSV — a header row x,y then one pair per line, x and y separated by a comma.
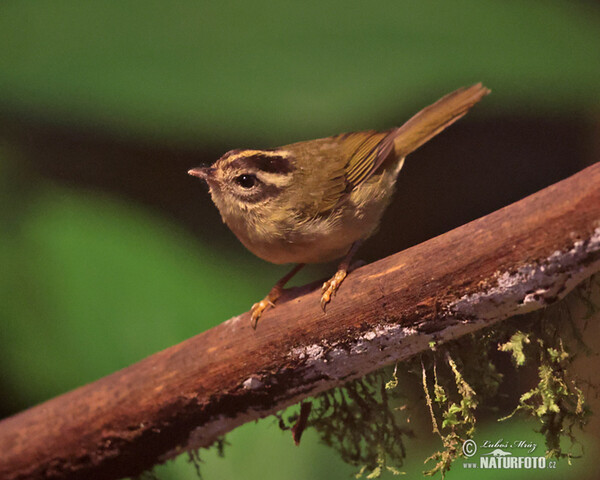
x,y
367,420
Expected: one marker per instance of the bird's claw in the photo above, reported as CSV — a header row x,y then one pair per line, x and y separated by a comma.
x,y
331,286
259,307
257,310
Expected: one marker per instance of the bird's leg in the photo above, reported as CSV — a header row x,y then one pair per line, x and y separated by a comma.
x,y
331,286
269,301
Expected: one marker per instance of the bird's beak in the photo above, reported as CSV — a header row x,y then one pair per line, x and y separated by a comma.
x,y
202,172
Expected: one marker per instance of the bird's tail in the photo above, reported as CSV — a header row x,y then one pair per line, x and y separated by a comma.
x,y
436,117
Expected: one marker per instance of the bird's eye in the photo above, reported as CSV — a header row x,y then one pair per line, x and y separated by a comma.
x,y
246,180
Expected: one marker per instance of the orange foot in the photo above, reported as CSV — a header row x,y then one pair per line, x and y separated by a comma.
x,y
269,301
258,308
331,286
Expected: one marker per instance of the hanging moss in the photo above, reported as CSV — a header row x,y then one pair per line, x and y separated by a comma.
x,y
366,419
364,422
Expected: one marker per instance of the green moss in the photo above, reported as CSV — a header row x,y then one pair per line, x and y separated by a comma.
x,y
366,420
515,346
455,404
556,402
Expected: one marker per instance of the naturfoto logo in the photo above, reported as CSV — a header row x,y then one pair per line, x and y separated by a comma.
x,y
499,455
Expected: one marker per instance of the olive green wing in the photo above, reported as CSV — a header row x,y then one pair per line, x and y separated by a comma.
x,y
339,164
345,161
365,152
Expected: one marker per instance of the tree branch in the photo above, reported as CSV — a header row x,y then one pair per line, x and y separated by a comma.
x,y
512,261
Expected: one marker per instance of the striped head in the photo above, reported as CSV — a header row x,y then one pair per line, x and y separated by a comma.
x,y
243,180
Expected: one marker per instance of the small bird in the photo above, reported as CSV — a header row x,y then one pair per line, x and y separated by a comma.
x,y
316,201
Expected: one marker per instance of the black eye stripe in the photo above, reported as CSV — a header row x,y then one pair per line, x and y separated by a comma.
x,y
263,163
271,164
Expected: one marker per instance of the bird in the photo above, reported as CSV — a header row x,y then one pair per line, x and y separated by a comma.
x,y
318,200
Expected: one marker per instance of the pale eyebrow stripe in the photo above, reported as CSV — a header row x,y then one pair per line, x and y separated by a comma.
x,y
252,153
277,179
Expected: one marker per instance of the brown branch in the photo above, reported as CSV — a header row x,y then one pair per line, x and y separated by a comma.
x,y
514,260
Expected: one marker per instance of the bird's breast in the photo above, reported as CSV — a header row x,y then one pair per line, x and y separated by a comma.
x,y
295,237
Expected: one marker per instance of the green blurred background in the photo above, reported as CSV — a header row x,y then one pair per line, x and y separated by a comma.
x,y
110,252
